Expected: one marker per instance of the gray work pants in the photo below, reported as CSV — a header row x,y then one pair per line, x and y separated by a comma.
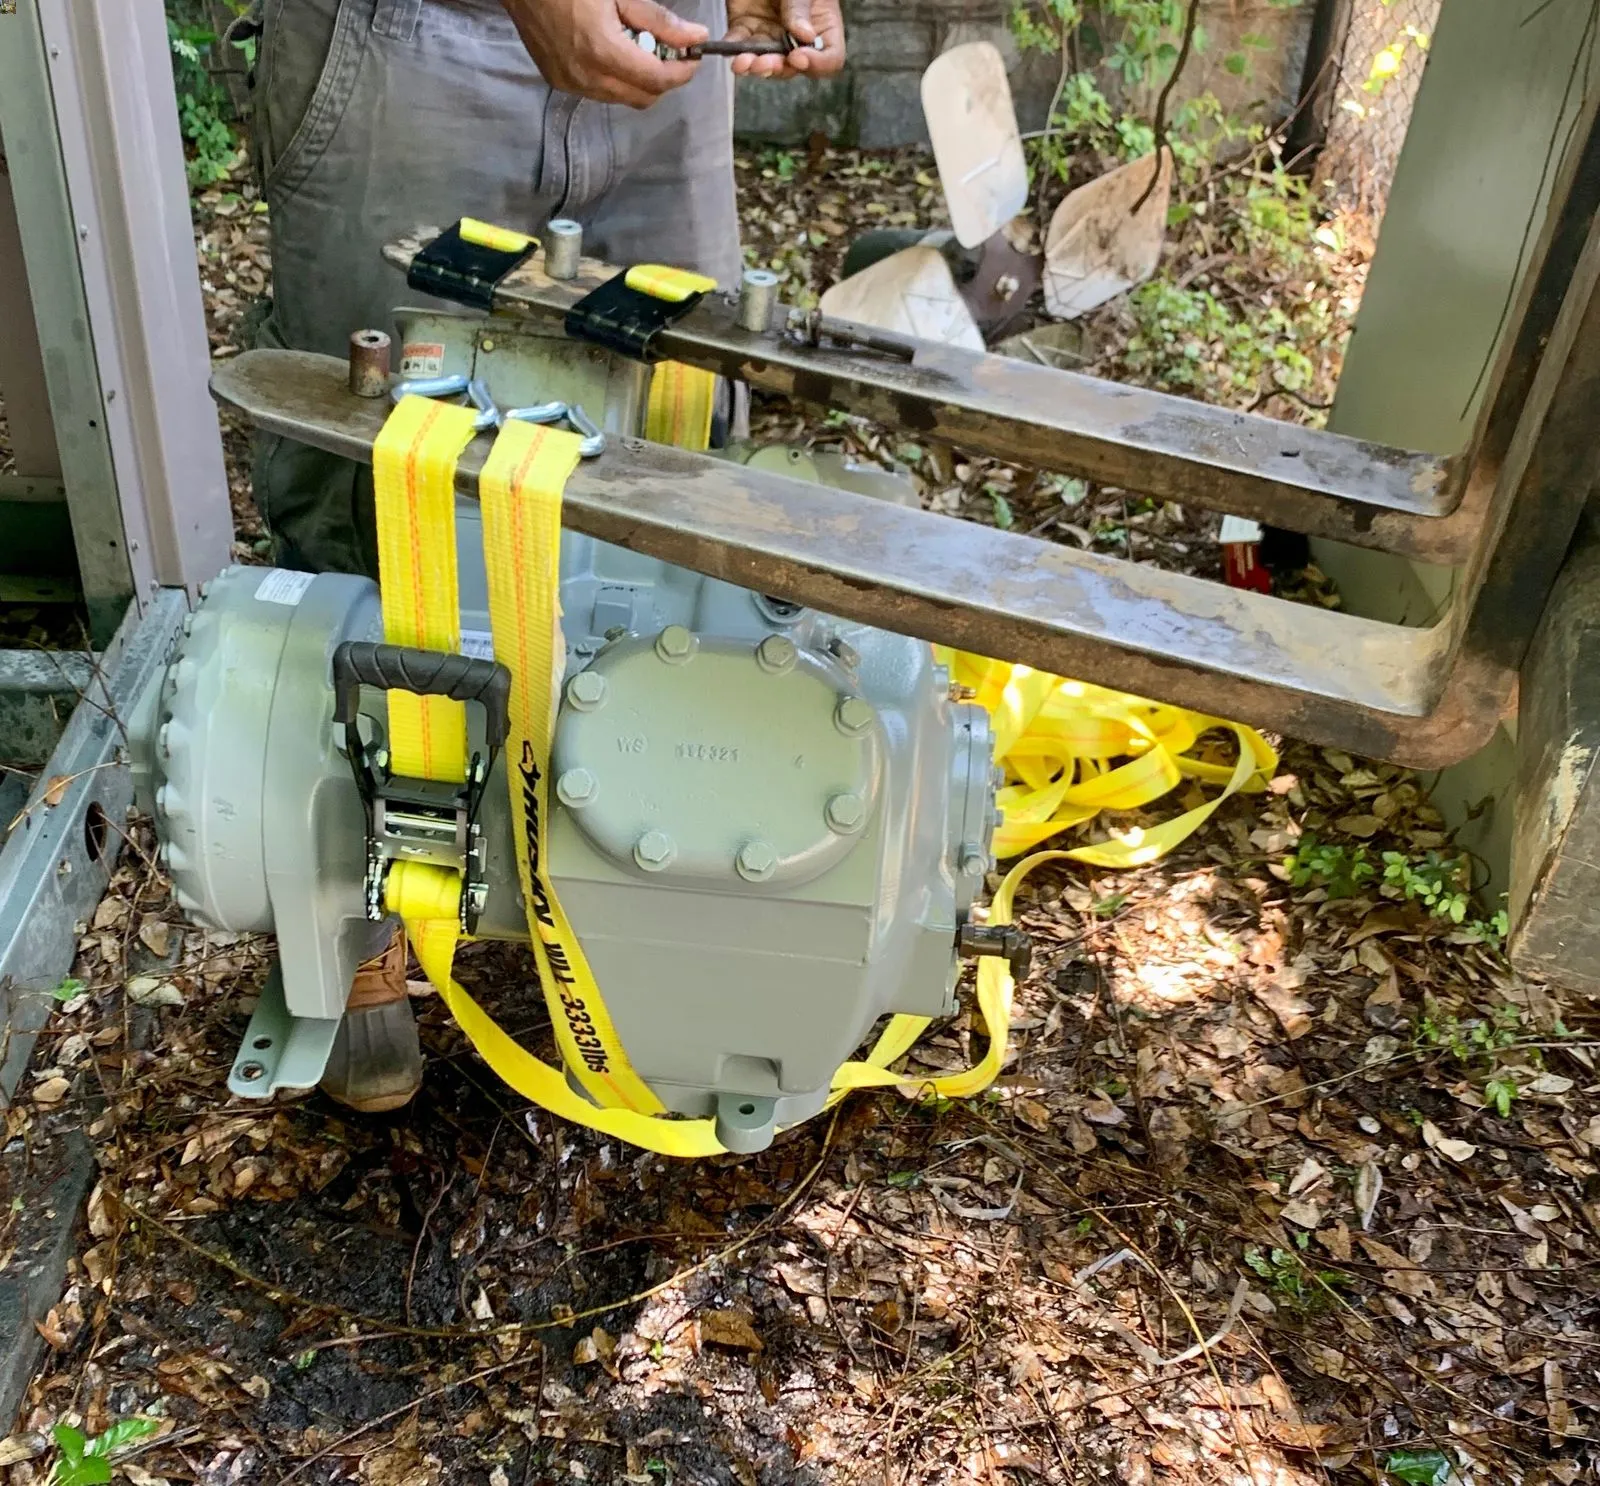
x,y
376,116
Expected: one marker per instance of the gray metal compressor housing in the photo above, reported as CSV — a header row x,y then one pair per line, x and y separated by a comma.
x,y
769,830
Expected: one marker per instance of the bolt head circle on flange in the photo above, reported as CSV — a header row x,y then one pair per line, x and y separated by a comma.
x,y
675,645
757,861
576,788
776,655
587,691
846,814
654,851
854,716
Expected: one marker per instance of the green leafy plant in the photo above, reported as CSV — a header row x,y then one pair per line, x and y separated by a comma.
x,y
1500,1091
1294,1283
1419,1467
87,1462
1440,883
1341,870
205,114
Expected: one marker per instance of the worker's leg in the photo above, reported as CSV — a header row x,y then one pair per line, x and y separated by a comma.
x,y
375,117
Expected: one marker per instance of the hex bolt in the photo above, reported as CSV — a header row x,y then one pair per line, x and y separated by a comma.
x,y
251,1072
576,788
587,691
757,861
654,851
758,294
369,363
675,645
563,248
846,814
854,716
974,860
776,654
162,797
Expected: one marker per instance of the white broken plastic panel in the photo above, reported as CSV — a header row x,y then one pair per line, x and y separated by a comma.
x,y
977,146
1098,246
912,292
1239,529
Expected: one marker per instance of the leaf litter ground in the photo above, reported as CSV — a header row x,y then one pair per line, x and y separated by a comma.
x,y
1242,1207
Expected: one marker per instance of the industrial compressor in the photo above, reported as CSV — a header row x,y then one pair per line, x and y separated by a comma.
x,y
768,825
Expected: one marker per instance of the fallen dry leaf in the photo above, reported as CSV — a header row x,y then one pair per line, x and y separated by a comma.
x,y
729,1329
1435,1139
1399,1272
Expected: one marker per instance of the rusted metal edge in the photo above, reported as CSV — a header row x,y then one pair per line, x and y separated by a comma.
x,y
1377,689
1174,448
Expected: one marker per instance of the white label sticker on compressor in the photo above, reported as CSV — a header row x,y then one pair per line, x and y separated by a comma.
x,y
280,586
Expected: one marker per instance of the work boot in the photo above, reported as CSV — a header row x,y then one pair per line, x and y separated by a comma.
x,y
376,1063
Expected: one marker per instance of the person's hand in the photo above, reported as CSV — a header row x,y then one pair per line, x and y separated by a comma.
x,y
582,47
805,20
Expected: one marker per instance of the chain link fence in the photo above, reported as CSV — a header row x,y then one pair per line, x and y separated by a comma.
x,y
1378,69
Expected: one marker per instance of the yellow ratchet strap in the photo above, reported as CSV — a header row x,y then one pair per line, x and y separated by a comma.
x,y
671,284
487,235
413,477
682,399
1070,751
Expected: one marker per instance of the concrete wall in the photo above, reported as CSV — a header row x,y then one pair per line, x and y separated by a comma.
x,y
876,103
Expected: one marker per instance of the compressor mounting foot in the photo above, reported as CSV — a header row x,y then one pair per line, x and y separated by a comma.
x,y
280,1051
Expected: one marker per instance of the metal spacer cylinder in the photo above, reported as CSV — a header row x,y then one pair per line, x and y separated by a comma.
x,y
758,296
563,248
369,363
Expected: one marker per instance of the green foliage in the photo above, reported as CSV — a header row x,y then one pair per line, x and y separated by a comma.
x,y
1500,1091
205,114
1419,1467
1442,884
779,165
1294,1283
1474,1038
1341,870
86,1462
68,988
1209,342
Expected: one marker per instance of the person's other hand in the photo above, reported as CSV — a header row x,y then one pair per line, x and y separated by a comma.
x,y
805,20
582,47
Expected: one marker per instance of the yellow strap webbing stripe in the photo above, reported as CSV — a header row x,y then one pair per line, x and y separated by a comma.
x,y
682,399
413,475
520,493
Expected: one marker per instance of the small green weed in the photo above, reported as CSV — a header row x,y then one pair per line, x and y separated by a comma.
x,y
1341,870
86,1462
1294,1282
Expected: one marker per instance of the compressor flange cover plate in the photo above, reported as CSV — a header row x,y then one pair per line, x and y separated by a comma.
x,y
716,760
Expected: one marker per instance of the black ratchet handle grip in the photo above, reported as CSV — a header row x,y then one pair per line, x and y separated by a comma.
x,y
424,673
